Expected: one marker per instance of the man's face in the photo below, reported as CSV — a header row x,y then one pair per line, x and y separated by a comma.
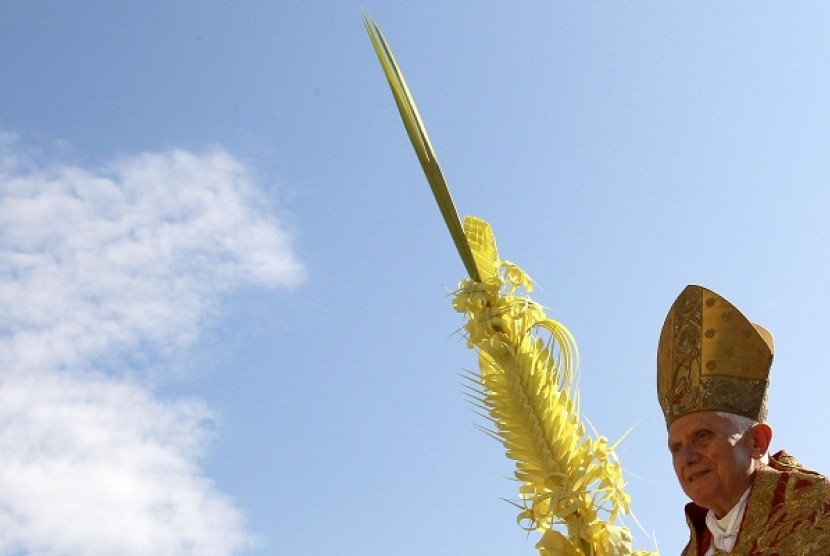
x,y
712,459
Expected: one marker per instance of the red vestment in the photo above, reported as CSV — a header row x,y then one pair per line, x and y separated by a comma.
x,y
787,514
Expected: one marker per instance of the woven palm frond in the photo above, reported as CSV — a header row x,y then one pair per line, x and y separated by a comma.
x,y
571,487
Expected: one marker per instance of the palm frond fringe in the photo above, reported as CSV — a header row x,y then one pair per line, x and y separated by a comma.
x,y
571,486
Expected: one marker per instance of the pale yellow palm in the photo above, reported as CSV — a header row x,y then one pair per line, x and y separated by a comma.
x,y
570,483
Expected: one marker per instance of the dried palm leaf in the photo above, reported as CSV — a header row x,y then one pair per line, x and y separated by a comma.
x,y
570,483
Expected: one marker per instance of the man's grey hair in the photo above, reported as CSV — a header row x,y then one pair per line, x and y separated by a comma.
x,y
741,425
740,422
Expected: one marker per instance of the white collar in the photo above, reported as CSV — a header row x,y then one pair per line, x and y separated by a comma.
x,y
725,530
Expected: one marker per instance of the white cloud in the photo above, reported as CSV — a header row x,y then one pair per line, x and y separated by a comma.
x,y
109,265
96,466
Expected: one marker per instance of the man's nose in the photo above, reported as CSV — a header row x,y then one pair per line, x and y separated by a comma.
x,y
688,454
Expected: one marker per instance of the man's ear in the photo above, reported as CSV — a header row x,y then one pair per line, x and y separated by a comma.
x,y
761,438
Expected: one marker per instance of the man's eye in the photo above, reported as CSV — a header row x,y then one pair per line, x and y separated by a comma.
x,y
702,436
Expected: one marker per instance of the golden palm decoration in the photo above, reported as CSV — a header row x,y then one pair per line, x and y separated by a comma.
x,y
570,483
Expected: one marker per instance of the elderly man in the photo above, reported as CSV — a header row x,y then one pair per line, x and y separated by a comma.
x,y
712,377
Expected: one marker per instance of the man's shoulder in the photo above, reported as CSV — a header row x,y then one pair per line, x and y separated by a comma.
x,y
788,477
788,511
786,462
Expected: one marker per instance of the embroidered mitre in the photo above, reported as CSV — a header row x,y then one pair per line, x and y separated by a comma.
x,y
711,358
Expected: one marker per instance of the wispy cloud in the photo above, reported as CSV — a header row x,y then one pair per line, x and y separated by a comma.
x,y
101,267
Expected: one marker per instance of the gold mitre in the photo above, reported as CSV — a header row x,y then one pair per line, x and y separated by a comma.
x,y
711,358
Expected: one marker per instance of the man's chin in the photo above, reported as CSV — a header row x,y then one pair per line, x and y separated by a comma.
x,y
699,497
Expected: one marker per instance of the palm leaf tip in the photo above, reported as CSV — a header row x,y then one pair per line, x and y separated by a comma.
x,y
420,143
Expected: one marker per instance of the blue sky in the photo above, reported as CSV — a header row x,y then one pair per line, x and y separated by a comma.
x,y
226,324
